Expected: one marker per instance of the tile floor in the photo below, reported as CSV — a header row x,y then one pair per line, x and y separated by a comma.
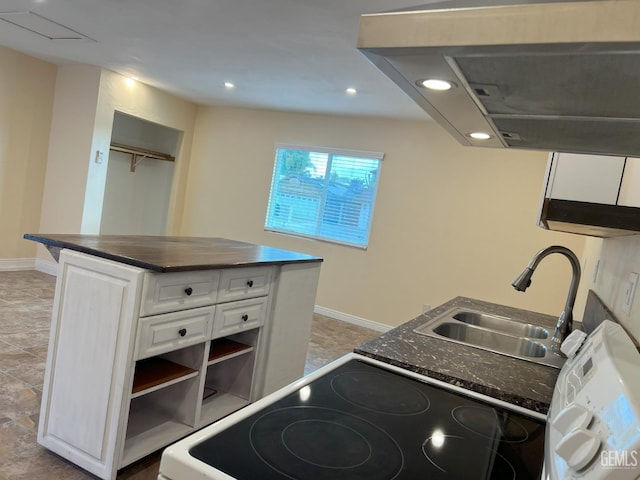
x,y
26,299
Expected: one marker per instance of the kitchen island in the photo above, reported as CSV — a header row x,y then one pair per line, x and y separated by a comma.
x,y
518,382
153,338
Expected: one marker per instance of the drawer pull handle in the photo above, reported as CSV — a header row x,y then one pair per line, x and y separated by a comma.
x,y
250,283
188,291
245,317
182,332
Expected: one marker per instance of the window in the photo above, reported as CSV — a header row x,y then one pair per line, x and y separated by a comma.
x,y
323,193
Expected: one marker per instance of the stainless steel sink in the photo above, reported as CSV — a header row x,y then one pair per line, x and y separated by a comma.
x,y
491,340
497,334
501,324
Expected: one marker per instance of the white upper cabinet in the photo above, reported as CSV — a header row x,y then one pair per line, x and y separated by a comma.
x,y
630,186
586,178
595,195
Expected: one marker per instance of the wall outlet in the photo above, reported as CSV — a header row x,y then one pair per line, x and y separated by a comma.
x,y
630,292
99,156
426,307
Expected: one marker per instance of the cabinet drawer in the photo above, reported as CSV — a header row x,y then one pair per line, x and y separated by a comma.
x,y
237,316
170,292
239,283
171,331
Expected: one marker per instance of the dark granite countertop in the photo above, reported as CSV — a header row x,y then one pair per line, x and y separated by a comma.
x,y
515,381
171,254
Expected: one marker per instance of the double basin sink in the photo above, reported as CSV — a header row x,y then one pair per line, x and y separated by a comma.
x,y
495,333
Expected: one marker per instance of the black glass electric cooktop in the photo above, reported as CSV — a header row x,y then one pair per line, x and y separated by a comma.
x,y
359,421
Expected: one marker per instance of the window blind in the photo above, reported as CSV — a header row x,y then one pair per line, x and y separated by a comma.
x,y
323,193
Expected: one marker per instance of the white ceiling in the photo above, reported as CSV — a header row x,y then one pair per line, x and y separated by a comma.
x,y
297,55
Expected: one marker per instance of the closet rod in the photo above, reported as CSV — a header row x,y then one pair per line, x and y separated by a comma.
x,y
136,153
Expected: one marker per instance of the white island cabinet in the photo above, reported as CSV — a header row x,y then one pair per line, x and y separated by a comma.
x,y
139,359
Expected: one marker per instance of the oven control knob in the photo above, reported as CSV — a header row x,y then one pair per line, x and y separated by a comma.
x,y
578,448
571,417
572,343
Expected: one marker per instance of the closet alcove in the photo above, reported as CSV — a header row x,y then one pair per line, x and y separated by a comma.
x,y
139,177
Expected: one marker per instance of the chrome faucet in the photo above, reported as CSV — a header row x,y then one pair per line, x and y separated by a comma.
x,y
565,321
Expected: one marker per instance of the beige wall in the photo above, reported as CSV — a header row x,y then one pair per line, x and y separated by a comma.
x,y
74,113
86,98
26,100
618,257
448,220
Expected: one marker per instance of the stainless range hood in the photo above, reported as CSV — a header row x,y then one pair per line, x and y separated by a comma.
x,y
554,76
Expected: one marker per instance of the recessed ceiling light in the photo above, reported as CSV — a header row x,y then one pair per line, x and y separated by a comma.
x,y
134,78
480,136
436,84
351,91
229,85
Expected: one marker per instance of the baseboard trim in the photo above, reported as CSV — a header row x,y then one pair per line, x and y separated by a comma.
x,y
16,264
345,317
45,266
11,264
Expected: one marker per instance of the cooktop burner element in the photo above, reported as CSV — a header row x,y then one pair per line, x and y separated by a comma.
x,y
321,443
445,452
486,422
380,393
358,421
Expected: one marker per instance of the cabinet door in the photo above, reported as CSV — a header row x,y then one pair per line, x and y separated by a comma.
x,y
630,187
88,362
585,178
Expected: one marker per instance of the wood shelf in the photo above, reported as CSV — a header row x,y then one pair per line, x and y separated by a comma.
x,y
156,372
224,348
